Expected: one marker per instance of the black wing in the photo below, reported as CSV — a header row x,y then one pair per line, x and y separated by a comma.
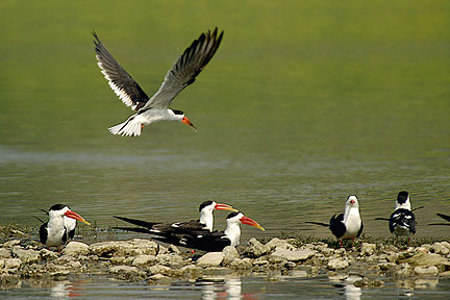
x,y
402,218
186,68
43,233
337,225
119,80
360,229
148,225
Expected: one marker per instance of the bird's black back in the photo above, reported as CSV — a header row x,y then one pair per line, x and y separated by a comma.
x,y
403,218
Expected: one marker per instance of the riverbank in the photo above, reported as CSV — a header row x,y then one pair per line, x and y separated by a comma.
x,y
369,264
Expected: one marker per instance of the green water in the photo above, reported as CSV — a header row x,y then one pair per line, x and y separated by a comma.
x,y
304,103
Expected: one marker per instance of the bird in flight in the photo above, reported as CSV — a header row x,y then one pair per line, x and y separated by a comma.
x,y
155,109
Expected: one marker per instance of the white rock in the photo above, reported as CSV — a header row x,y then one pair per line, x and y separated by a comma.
x,y
26,256
230,254
12,263
432,270
282,244
76,249
4,253
368,249
144,259
211,259
295,255
124,270
337,264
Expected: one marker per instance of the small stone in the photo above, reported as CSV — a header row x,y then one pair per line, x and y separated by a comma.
x,y
12,263
426,259
127,270
4,253
211,259
368,249
256,249
282,244
47,254
144,259
161,279
230,254
296,255
446,244
191,272
172,260
337,264
26,256
11,243
76,249
242,264
174,249
439,248
158,269
432,270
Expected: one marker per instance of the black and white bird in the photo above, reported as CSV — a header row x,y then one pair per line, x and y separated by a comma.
x,y
69,223
203,239
348,225
206,221
155,109
57,231
402,221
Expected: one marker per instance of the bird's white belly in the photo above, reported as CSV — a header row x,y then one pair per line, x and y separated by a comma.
x,y
154,115
353,225
55,237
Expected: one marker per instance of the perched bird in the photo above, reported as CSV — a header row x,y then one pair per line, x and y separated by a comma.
x,y
445,217
206,221
348,225
54,233
69,223
402,221
203,239
155,109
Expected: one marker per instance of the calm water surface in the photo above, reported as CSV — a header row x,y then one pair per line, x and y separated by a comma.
x,y
303,104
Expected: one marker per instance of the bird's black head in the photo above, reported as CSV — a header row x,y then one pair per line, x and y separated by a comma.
x,y
58,207
234,214
177,112
402,197
204,204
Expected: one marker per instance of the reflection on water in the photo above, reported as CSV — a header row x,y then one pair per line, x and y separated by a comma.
x,y
249,288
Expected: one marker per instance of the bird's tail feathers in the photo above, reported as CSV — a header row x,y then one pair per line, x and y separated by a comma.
x,y
319,223
130,127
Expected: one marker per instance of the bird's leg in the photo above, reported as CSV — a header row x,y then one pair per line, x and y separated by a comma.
x,y
340,243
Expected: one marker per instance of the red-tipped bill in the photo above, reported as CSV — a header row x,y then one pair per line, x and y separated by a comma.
x,y
74,215
221,206
187,122
248,221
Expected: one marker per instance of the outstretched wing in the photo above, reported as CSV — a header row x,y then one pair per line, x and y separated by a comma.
x,y
118,79
186,68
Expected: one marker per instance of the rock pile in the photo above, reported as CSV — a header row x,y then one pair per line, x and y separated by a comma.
x,y
138,259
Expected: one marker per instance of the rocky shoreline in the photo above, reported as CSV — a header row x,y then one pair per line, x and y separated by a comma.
x,y
146,260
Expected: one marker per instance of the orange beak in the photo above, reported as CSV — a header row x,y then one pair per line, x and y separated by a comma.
x,y
221,206
248,221
74,215
187,122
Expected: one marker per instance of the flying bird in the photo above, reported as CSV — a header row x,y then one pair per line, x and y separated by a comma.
x,y
348,225
155,109
54,233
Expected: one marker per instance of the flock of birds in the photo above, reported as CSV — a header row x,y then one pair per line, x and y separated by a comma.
x,y
195,234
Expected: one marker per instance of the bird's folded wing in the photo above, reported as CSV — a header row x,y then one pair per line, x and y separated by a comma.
x,y
186,68
119,80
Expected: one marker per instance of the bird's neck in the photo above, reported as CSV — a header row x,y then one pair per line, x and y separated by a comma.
x,y
233,232
406,205
351,212
207,218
